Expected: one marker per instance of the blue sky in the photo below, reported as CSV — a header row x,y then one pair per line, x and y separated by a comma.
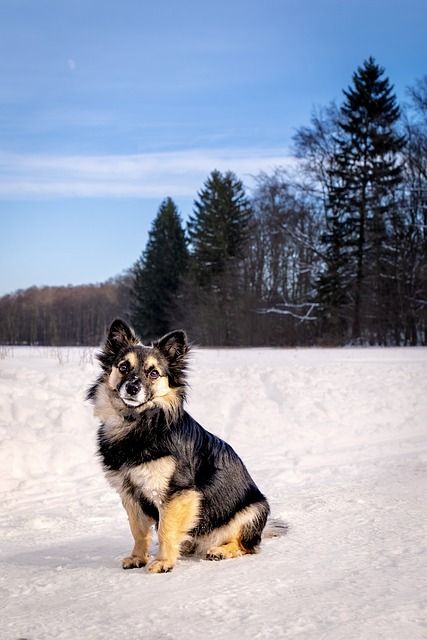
x,y
106,108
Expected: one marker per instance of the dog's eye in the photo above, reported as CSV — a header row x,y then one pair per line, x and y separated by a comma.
x,y
123,367
154,374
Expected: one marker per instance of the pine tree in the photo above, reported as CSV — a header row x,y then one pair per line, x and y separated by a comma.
x,y
158,273
334,281
364,174
219,231
220,226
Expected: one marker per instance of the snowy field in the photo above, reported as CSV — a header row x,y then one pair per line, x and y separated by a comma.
x,y
337,440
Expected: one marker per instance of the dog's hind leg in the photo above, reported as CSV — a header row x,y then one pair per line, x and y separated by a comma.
x,y
140,526
241,535
178,516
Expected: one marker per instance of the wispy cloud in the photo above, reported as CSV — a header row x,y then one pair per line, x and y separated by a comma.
x,y
175,174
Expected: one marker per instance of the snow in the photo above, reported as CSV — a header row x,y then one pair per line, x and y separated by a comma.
x,y
337,440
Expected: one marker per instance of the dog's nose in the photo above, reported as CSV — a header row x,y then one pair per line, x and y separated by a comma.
x,y
133,387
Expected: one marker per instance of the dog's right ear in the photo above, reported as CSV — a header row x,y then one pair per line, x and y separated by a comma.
x,y
119,337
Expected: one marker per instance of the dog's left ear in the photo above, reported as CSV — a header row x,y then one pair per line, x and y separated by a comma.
x,y
173,345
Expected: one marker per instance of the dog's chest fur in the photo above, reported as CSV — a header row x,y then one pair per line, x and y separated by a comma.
x,y
149,480
133,470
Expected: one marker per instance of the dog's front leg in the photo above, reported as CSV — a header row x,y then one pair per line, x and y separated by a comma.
x,y
140,526
177,517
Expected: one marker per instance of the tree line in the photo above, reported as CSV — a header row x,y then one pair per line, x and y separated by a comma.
x,y
333,252
62,315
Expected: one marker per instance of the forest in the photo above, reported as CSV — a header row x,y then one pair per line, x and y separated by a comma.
x,y
332,252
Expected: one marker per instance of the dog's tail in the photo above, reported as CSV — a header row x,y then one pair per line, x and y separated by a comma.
x,y
275,528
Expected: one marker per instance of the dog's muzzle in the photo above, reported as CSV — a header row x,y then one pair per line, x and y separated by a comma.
x,y
133,387
132,392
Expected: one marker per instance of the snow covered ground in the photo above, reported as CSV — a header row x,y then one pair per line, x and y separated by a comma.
x,y
337,440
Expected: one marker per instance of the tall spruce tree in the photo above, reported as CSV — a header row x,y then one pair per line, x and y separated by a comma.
x,y
220,227
158,273
364,174
219,231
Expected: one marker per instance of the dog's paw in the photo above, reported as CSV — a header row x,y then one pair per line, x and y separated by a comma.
x,y
160,566
223,553
134,562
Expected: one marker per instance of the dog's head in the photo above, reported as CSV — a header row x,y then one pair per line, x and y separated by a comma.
x,y
139,377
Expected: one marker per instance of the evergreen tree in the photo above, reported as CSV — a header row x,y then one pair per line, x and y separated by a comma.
x,y
220,227
158,273
364,174
219,231
334,281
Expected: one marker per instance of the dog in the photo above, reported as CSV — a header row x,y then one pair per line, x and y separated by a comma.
x,y
168,470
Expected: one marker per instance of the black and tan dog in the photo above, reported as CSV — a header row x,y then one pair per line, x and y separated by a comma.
x,y
168,470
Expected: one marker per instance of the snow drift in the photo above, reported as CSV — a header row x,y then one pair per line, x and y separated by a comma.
x,y
337,440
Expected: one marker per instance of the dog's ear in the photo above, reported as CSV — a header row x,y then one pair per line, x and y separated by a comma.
x,y
119,337
173,345
175,349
